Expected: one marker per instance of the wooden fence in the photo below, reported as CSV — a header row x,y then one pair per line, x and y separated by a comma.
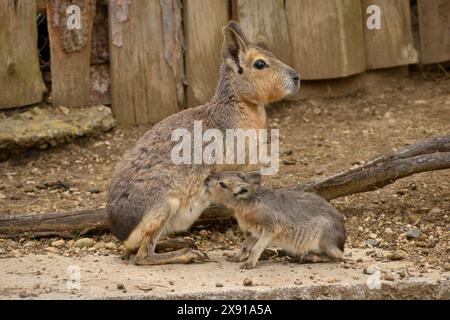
x,y
164,55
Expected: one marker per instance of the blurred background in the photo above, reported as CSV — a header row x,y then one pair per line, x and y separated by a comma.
x,y
149,59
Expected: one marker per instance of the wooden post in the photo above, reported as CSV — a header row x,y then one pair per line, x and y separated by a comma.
x,y
434,28
203,23
327,37
20,77
70,51
146,46
265,24
392,45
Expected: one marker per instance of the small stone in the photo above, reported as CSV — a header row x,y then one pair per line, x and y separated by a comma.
x,y
111,246
171,282
219,285
58,243
414,219
203,233
413,233
389,277
371,269
100,245
388,231
51,249
435,211
29,244
28,189
2,196
120,286
373,235
248,282
84,243
94,190
372,242
395,256
447,266
289,162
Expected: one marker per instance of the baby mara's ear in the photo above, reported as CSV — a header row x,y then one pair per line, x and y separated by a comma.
x,y
244,191
253,177
209,181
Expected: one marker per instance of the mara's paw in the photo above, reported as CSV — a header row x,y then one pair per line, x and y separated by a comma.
x,y
247,265
235,258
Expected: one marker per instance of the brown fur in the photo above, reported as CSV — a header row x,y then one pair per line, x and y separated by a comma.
x,y
149,195
301,223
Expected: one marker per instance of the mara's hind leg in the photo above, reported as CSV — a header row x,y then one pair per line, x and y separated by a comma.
x,y
334,253
262,243
153,226
245,249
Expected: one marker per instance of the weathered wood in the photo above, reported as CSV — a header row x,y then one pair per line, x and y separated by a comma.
x,y
392,45
20,77
70,52
72,224
327,37
434,28
146,43
64,224
265,24
203,23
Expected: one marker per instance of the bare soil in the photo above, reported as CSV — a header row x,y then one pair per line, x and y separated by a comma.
x,y
318,138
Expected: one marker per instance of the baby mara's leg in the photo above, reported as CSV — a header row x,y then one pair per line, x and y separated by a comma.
x,y
262,243
244,252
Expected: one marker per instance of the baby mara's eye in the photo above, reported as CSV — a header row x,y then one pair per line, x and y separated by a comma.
x,y
222,185
260,64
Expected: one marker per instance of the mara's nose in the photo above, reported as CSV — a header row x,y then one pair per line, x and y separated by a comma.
x,y
295,77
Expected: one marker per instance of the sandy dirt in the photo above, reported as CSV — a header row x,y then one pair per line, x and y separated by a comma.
x,y
318,138
52,276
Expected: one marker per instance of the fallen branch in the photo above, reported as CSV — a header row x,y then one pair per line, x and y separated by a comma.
x,y
429,155
72,224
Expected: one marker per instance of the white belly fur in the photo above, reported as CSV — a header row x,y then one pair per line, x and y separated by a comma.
x,y
185,216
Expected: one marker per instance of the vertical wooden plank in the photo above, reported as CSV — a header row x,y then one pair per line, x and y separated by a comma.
x,y
434,28
70,52
20,77
265,24
146,42
393,44
327,37
203,22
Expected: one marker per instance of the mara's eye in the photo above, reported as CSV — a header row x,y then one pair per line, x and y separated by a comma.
x,y
260,64
222,185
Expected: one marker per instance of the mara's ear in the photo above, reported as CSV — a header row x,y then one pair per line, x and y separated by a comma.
x,y
244,191
253,177
235,43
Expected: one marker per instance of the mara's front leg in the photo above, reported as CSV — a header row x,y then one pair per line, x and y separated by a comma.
x,y
261,244
245,249
155,222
